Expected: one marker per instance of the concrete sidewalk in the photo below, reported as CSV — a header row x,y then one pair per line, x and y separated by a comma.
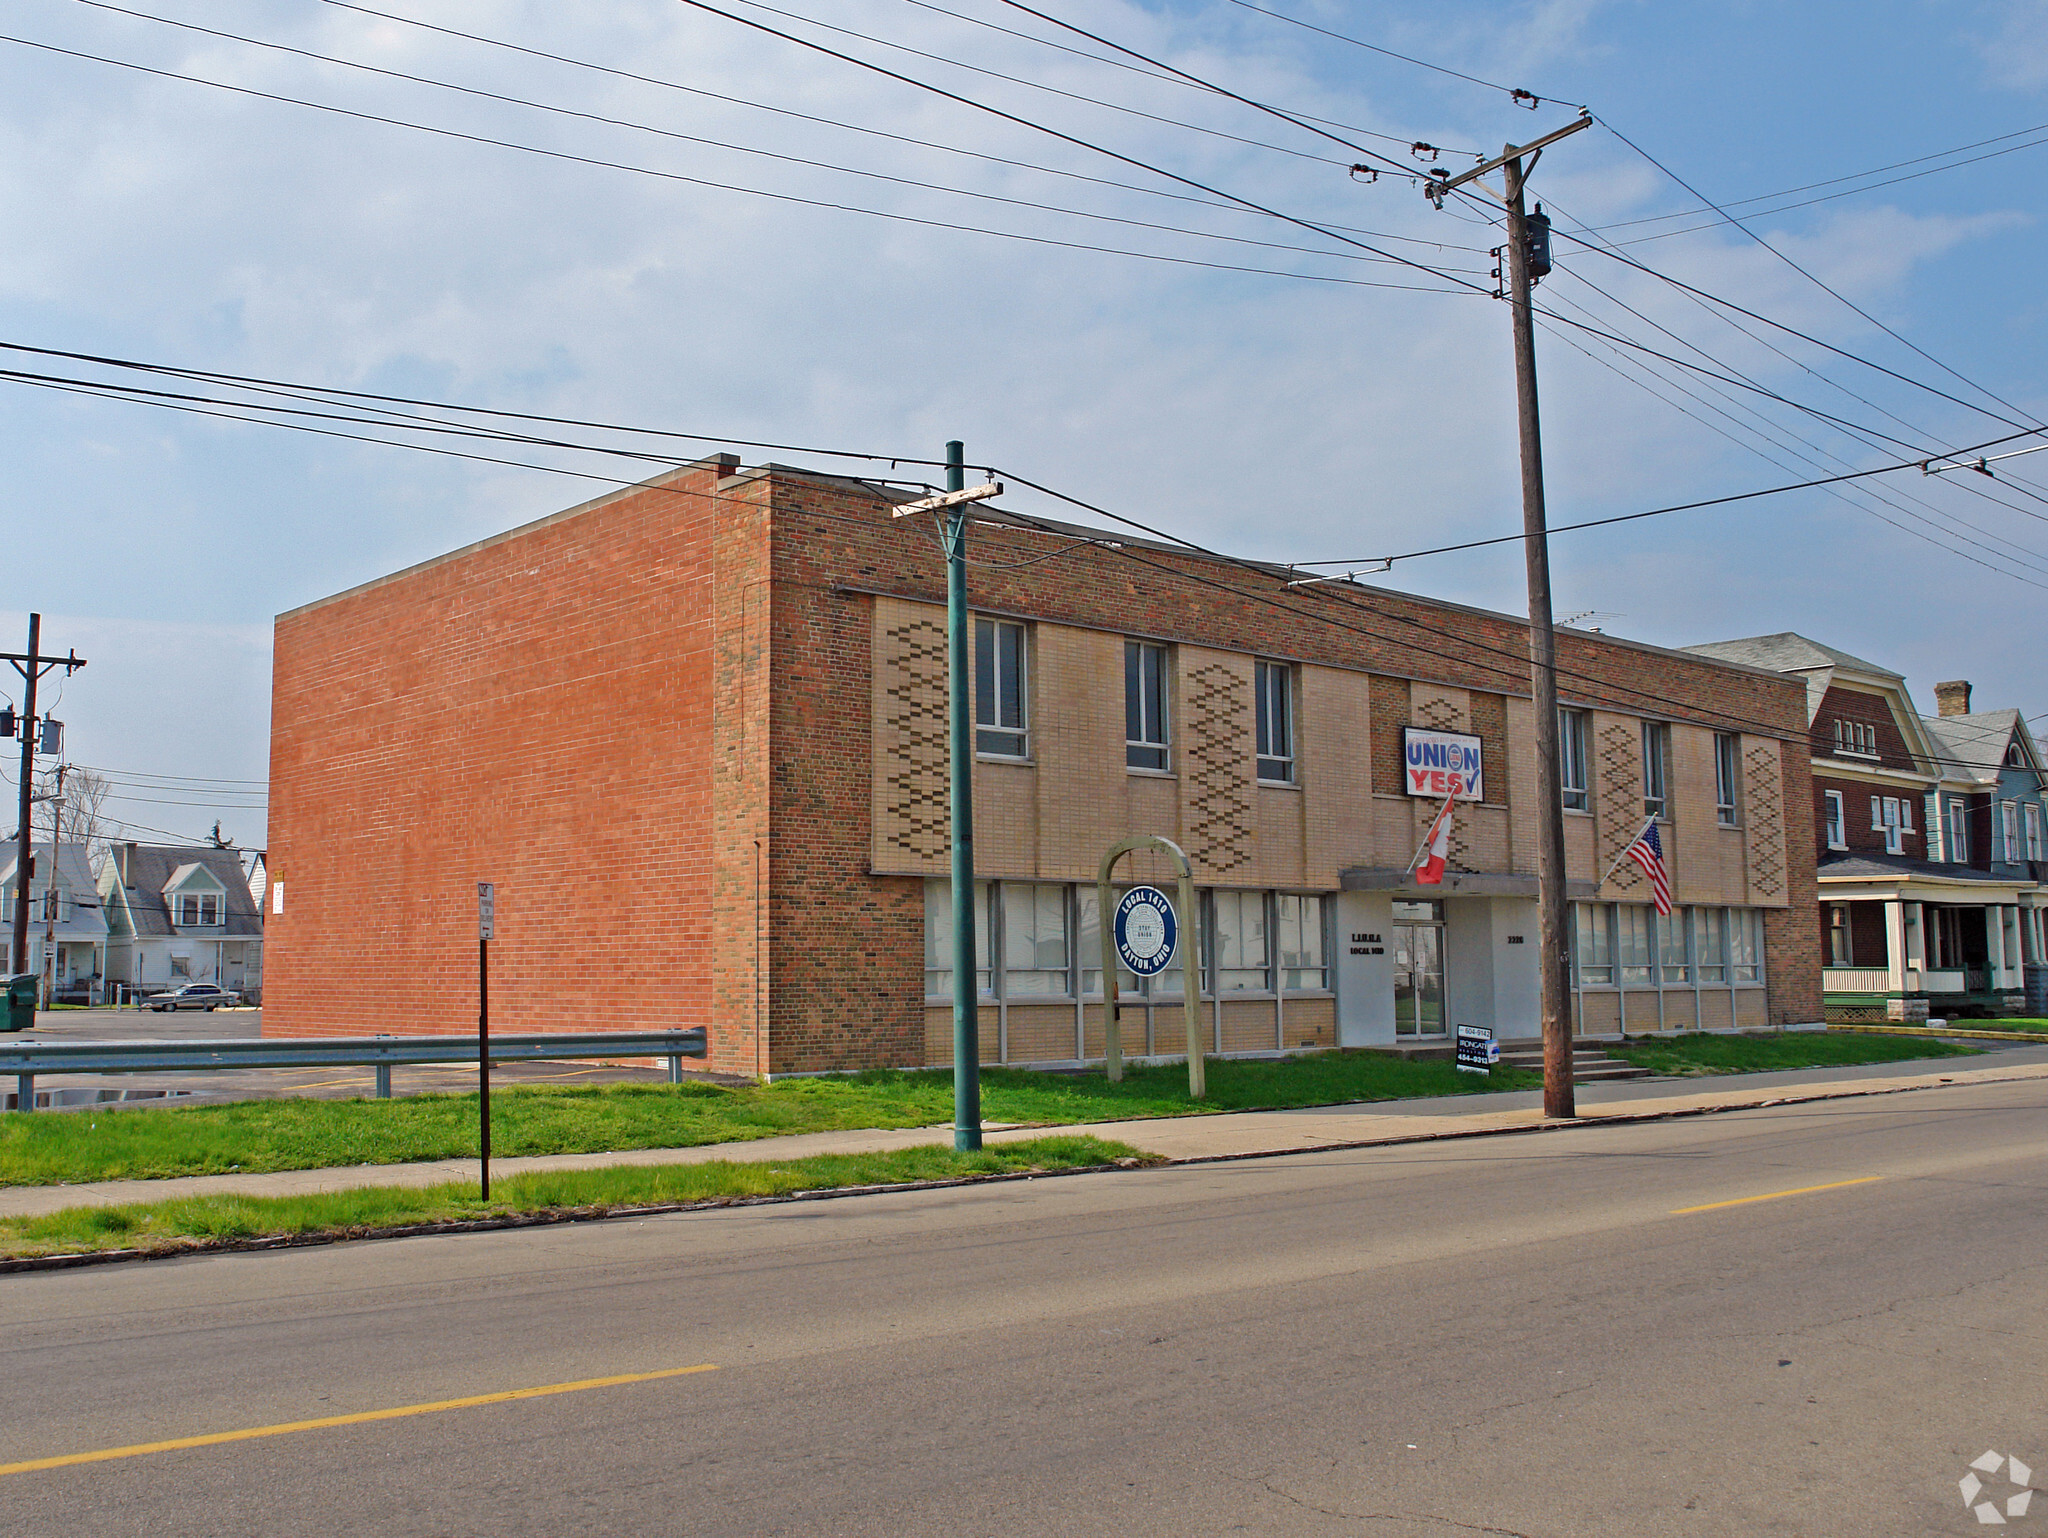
x,y
1181,1139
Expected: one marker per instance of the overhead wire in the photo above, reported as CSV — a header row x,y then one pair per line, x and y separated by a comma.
x,y
723,144
781,197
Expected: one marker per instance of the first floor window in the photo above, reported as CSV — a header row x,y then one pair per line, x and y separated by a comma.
x,y
1839,950
1710,943
1571,759
1632,939
1838,826
1300,922
1595,945
1034,939
1241,959
1673,963
1746,945
999,724
1275,721
938,939
1145,739
1724,779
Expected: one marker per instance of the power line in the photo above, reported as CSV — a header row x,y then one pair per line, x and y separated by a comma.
x,y
785,197
742,149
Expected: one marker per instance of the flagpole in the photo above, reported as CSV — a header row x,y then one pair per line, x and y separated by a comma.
x,y
1428,836
1625,848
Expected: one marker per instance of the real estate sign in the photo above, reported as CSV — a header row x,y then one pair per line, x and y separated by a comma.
x,y
1441,765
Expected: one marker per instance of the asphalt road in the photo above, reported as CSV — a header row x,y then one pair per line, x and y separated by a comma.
x,y
1521,1335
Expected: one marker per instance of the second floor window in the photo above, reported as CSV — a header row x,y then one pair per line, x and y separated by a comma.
x,y
1893,817
1724,779
1571,760
2033,811
1145,741
1274,686
1656,769
199,911
1958,834
999,724
2009,830
1837,824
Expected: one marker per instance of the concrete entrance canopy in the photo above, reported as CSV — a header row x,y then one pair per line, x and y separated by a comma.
x,y
1456,884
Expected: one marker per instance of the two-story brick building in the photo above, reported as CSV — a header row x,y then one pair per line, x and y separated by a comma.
x,y
695,732
1915,915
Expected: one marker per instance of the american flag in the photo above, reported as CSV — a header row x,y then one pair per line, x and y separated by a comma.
x,y
1648,852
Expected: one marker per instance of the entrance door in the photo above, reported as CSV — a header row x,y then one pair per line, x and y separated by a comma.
x,y
1418,969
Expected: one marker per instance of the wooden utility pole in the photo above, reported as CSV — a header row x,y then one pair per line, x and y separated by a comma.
x,y
1553,911
31,665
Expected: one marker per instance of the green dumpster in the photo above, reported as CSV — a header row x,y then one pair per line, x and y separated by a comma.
x,y
21,1002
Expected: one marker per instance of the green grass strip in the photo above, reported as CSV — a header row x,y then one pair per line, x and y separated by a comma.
x,y
251,1136
205,1221
1699,1053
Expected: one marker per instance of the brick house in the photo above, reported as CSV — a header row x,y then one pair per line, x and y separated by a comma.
x,y
694,731
1915,916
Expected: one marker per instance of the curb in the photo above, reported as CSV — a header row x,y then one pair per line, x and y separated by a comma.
x,y
601,1214
1942,1034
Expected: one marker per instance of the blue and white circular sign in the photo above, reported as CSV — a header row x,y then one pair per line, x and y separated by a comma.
x,y
1146,930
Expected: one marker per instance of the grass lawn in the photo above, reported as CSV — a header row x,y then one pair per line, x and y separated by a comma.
x,y
1699,1053
1960,1024
253,1135
202,1221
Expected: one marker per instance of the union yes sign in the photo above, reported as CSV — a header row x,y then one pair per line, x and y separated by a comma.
x,y
1441,764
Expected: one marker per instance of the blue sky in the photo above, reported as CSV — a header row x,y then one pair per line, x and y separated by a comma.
x,y
1274,414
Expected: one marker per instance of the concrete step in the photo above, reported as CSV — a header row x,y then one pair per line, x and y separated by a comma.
x,y
1590,1065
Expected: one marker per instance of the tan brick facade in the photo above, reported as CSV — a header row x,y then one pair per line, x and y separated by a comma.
x,y
696,732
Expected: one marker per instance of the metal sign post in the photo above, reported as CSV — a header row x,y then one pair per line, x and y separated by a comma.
x,y
486,922
1157,928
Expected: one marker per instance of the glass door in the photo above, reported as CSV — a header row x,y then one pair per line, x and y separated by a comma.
x,y
1418,969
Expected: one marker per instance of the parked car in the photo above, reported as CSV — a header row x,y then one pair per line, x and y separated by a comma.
x,y
193,996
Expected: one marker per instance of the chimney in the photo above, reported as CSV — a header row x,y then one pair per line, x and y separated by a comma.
x,y
1954,697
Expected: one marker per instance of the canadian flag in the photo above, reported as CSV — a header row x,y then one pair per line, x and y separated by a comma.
x,y
1436,844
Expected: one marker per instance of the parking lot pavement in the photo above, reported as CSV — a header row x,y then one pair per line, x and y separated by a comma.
x,y
269,1083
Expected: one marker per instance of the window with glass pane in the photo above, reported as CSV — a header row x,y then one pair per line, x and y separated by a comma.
x,y
1145,741
1724,779
1673,964
999,726
1088,947
2033,830
1632,943
1656,769
1958,834
1595,945
1300,922
2009,829
1710,944
1837,823
1241,959
1571,753
938,940
1745,944
1034,940
1275,683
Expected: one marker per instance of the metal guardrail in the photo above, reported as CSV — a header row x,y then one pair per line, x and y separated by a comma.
x,y
26,1059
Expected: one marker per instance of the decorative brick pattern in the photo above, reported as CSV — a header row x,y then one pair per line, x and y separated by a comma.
x,y
1439,709
1218,806
1618,803
912,808
1766,822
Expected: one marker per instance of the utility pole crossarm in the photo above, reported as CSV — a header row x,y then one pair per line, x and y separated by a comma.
x,y
947,499
1435,189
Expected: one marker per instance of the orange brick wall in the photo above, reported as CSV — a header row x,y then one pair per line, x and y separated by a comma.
x,y
536,711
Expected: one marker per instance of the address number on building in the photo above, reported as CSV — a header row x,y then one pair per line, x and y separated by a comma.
x,y
1146,931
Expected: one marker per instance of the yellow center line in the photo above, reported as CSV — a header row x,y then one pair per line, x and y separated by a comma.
x,y
1744,1201
214,1439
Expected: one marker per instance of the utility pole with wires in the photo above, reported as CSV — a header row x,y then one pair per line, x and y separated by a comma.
x,y
32,665
1523,265
953,505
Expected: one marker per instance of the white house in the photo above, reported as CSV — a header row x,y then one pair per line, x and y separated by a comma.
x,y
178,914
81,928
